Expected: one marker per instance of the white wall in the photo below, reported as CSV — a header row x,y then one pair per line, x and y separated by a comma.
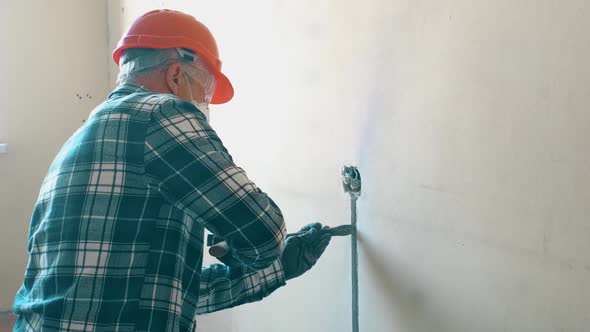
x,y
51,51
469,120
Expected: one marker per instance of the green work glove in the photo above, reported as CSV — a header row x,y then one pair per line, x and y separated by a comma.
x,y
303,251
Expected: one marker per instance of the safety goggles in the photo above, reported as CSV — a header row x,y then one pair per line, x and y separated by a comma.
x,y
198,73
203,78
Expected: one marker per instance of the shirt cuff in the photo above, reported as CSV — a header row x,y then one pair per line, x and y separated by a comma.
x,y
263,282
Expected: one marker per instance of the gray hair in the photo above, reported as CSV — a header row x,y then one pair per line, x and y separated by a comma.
x,y
138,62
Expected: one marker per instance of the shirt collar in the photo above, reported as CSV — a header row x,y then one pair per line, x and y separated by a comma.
x,y
128,88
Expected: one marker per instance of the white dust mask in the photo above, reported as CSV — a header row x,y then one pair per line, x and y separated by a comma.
x,y
203,107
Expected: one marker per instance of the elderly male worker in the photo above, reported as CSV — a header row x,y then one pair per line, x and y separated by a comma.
x,y
116,236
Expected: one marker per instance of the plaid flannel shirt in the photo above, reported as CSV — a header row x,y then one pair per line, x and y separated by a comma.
x,y
116,235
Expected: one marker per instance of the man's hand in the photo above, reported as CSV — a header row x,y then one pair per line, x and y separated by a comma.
x,y
303,251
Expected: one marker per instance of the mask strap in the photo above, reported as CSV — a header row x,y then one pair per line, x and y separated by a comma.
x,y
190,90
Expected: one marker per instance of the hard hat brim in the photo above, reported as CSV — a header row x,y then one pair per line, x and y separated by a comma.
x,y
224,91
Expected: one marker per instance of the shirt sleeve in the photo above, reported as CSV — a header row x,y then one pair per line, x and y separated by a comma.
x,y
224,287
187,163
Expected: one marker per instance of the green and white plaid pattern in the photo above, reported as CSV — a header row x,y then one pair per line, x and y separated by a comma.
x,y
116,235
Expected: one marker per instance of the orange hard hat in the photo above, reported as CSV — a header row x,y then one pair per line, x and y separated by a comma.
x,y
164,28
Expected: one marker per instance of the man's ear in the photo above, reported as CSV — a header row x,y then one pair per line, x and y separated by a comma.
x,y
173,76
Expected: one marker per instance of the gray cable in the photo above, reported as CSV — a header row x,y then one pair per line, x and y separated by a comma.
x,y
355,268
351,181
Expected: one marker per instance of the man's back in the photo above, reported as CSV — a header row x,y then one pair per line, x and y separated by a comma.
x,y
113,244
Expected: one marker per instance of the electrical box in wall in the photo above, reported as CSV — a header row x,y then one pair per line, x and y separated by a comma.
x,y
3,148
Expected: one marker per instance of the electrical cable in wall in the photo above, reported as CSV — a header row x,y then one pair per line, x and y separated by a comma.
x,y
351,181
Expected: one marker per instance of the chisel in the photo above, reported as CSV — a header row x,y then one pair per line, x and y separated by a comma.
x,y
221,248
